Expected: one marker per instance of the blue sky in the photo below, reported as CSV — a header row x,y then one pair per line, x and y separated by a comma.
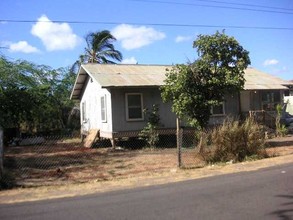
x,y
147,31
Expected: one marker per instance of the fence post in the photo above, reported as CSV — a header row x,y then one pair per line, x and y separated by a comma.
x,y
179,141
1,152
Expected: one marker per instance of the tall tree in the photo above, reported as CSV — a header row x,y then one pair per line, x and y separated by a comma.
x,y
100,48
34,97
194,88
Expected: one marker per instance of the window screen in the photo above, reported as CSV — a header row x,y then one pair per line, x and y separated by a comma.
x,y
134,106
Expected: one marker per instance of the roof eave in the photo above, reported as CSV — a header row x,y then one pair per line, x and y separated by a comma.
x,y
76,91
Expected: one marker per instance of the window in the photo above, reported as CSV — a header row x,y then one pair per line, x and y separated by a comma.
x,y
270,100
83,112
103,109
218,109
134,107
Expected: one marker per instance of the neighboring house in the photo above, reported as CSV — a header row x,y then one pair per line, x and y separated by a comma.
x,y
112,97
290,86
262,91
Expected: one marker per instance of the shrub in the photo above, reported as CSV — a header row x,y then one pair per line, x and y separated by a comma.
x,y
149,132
150,135
235,141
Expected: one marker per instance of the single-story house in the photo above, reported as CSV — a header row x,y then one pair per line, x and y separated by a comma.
x,y
112,97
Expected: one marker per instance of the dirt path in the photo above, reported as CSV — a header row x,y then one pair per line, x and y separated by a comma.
x,y
172,175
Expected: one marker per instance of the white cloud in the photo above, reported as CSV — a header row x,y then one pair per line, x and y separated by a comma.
x,y
130,60
5,44
133,37
270,62
179,38
55,36
21,46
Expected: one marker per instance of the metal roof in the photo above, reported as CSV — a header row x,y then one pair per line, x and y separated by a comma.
x,y
120,75
127,75
257,80
124,75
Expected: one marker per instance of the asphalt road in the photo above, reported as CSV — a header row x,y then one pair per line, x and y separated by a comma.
x,y
263,194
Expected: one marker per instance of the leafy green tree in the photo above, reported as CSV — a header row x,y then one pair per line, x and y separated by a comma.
x,y
100,48
15,97
194,88
33,97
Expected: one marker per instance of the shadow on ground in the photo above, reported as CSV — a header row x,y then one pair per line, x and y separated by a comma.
x,y
286,211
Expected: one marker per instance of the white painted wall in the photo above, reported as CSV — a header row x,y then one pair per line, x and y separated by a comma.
x,y
289,107
92,98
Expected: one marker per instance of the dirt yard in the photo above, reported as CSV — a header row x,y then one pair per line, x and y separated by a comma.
x,y
61,162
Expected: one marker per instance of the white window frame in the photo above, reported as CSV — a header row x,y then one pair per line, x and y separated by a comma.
x,y
127,107
223,107
103,101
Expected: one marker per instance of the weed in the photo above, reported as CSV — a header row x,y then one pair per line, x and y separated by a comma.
x,y
234,141
281,129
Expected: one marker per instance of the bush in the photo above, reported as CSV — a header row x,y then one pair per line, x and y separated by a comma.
x,y
149,132
235,141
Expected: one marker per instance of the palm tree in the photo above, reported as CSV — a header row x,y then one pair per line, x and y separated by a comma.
x,y
100,48
75,67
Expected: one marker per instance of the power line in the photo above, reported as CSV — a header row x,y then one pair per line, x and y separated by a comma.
x,y
229,3
247,5
214,6
151,24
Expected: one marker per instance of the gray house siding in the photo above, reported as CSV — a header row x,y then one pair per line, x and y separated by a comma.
x,y
150,96
255,100
231,108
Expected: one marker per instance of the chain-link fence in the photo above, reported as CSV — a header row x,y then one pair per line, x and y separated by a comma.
x,y
55,160
187,148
